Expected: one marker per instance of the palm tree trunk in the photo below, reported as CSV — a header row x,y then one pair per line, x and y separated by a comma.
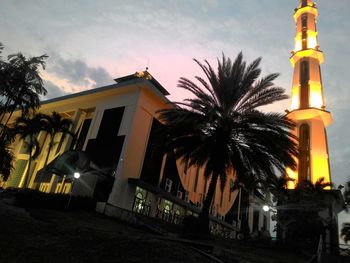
x,y
5,107
13,108
48,152
210,194
25,183
8,118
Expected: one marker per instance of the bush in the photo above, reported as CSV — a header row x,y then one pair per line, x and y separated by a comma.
x,y
196,227
34,199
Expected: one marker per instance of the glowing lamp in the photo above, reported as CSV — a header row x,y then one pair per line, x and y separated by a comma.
x,y
266,208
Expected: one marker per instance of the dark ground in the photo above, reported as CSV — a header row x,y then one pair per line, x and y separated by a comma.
x,y
36,235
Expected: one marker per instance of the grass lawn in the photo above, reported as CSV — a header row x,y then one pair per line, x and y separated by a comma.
x,y
36,235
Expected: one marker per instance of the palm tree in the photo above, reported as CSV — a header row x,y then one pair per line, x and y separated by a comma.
x,y
28,129
278,186
313,190
6,155
20,85
54,125
221,128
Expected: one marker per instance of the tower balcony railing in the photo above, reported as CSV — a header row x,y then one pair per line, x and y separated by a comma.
x,y
306,9
309,52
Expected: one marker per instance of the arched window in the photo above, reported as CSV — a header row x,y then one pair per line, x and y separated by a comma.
x,y
304,153
139,195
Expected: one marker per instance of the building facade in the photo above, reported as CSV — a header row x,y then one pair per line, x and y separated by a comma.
x,y
116,130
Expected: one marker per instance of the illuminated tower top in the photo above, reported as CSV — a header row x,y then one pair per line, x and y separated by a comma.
x,y
308,107
306,58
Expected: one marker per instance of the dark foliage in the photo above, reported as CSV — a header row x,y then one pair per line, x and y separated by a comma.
x,y
20,88
298,214
345,232
54,124
28,128
222,130
34,199
6,155
20,84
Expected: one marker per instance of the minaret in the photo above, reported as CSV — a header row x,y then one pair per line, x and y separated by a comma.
x,y
308,109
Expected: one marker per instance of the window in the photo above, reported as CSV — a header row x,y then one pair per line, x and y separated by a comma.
x,y
304,153
231,189
167,206
304,84
222,198
177,217
304,21
140,205
185,168
83,134
304,39
196,180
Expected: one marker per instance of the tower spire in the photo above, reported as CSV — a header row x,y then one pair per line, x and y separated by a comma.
x,y
307,105
303,3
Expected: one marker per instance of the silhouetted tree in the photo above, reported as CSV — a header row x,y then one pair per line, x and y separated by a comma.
x,y
221,128
20,84
20,88
278,186
54,125
312,190
6,155
28,129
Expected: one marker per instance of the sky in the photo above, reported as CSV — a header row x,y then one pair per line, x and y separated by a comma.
x,y
89,43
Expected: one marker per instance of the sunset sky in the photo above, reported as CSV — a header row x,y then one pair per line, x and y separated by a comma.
x,y
91,42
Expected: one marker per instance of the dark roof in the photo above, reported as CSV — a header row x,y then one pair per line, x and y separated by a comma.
x,y
145,75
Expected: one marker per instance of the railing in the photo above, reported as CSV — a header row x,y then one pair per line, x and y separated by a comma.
x,y
169,216
141,207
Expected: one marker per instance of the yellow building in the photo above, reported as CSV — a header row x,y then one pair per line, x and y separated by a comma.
x,y
115,127
308,108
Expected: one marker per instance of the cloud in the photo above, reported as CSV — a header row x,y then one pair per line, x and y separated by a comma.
x,y
78,73
53,91
119,37
73,75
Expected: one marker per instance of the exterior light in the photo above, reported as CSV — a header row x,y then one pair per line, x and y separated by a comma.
x,y
266,208
76,175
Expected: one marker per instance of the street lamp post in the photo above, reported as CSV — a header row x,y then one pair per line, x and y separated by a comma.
x,y
76,175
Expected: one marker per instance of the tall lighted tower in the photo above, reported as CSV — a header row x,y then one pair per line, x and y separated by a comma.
x,y
308,109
